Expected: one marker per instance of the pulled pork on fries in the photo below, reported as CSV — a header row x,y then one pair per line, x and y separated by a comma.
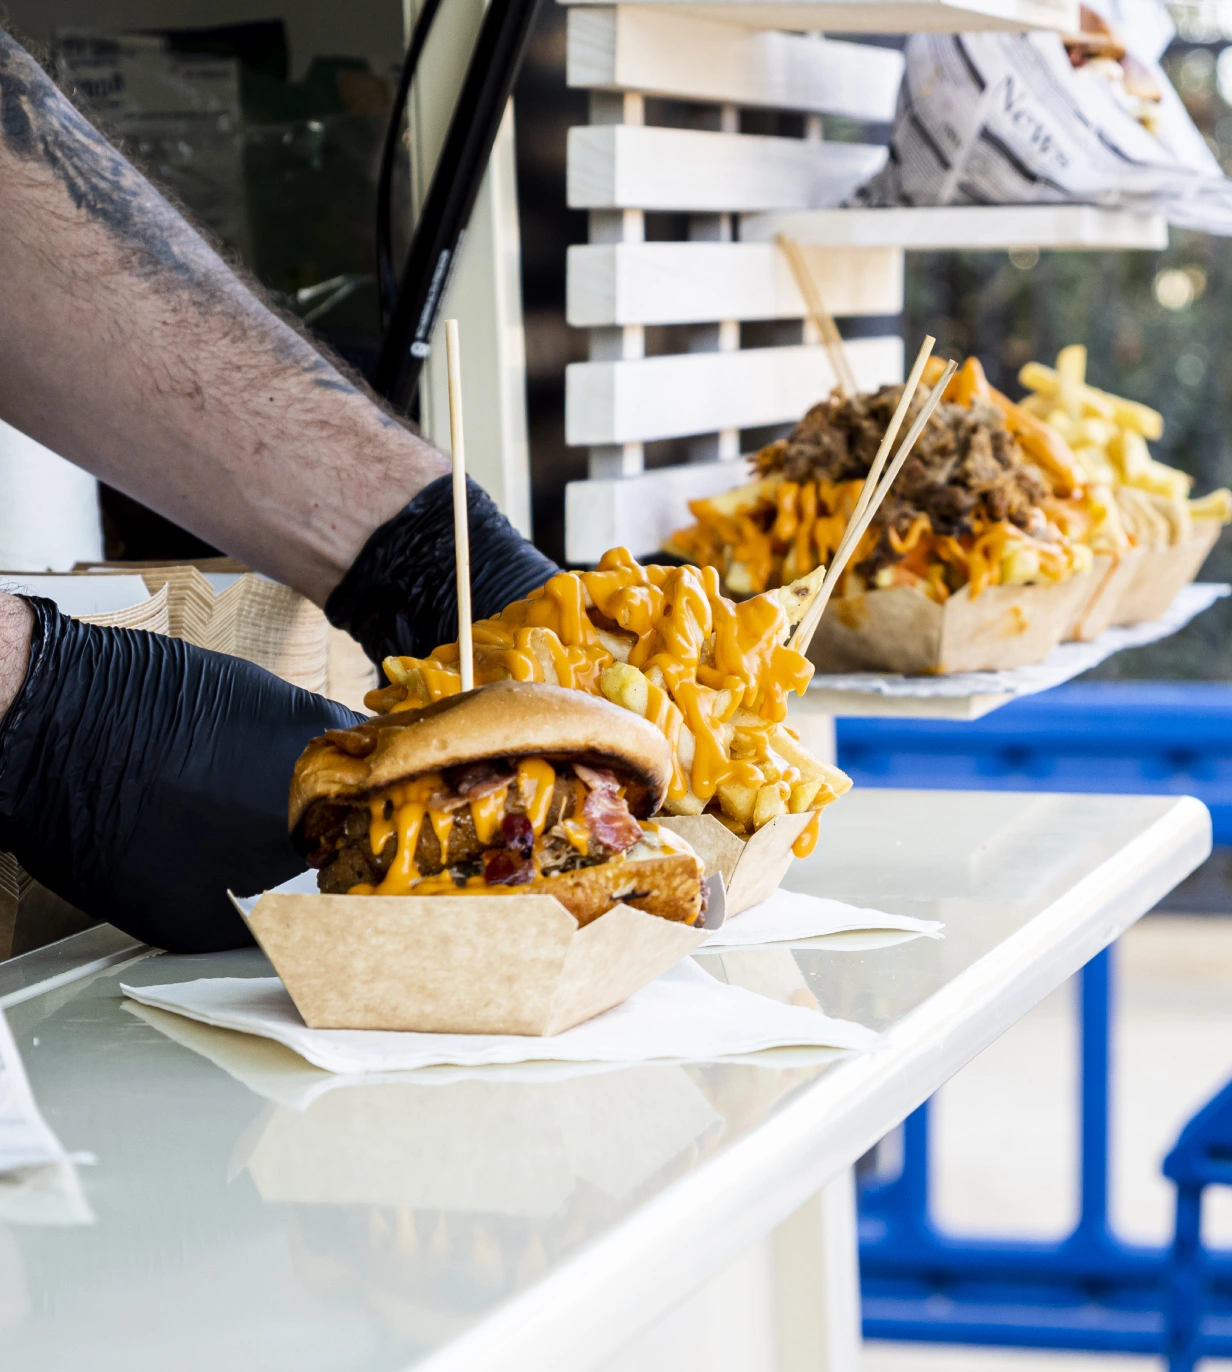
x,y
989,496
663,642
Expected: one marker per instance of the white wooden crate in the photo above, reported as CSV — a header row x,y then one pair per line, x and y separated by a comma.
x,y
962,226
690,283
876,16
623,166
739,191
661,51
639,512
639,400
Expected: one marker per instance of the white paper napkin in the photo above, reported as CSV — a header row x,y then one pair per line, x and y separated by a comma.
x,y
25,1138
791,916
686,1014
38,1179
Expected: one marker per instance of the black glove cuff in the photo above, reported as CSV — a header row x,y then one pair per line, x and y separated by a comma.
x,y
400,596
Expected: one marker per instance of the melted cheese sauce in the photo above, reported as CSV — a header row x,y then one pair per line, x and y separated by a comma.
x,y
807,839
790,528
487,813
399,813
536,779
712,656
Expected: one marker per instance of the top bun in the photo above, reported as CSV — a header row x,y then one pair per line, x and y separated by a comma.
x,y
506,719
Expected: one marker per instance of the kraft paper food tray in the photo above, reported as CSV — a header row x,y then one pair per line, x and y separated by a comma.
x,y
1112,578
751,868
902,630
1161,572
503,964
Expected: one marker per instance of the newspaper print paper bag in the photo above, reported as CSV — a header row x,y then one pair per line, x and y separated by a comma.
x,y
1003,119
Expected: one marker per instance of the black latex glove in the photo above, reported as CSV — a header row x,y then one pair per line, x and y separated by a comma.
x,y
141,778
400,598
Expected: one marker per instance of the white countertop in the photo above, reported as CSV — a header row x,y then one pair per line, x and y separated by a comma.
x,y
251,1212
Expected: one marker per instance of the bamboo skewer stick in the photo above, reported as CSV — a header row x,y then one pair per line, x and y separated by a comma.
x,y
891,433
461,530
820,317
871,482
807,627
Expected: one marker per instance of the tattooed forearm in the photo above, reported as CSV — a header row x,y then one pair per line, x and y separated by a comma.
x,y
40,126
129,346
16,623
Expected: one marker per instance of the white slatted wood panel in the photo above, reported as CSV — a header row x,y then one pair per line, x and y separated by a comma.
x,y
639,512
878,16
661,52
695,393
623,166
686,283
963,226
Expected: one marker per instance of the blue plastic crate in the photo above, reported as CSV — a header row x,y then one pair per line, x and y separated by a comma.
x,y
1149,737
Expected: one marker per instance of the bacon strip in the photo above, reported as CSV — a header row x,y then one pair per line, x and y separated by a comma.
x,y
597,778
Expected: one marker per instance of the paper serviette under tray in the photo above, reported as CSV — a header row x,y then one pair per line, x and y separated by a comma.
x,y
686,1014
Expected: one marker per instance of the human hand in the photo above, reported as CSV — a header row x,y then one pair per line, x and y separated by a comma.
x,y
399,597
141,778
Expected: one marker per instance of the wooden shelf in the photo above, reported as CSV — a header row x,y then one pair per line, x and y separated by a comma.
x,y
875,16
935,228
660,52
626,166
690,283
821,703
637,400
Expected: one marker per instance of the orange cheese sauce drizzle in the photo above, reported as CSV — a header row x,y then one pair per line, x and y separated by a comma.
x,y
535,782
399,812
807,839
487,813
705,656
794,527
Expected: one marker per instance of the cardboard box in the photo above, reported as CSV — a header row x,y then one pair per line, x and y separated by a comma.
x,y
751,868
1161,572
31,916
504,964
902,630
1112,578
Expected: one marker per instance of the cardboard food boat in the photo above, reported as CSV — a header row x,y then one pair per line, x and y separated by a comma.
x,y
751,868
1161,572
1111,577
462,964
902,630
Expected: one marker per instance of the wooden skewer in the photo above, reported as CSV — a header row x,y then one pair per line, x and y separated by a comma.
x,y
874,472
807,627
820,317
461,530
891,433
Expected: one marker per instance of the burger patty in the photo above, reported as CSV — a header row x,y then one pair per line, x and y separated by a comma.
x,y
334,836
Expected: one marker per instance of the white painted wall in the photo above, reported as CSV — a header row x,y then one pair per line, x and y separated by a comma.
x,y
48,508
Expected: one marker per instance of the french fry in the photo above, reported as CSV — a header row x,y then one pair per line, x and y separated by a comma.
x,y
627,687
713,675
1129,414
1217,505
1109,438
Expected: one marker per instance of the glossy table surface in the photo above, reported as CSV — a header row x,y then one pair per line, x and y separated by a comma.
x,y
246,1211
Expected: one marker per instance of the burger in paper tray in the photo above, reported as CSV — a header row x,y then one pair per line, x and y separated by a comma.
x,y
1167,536
485,864
985,554
708,676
